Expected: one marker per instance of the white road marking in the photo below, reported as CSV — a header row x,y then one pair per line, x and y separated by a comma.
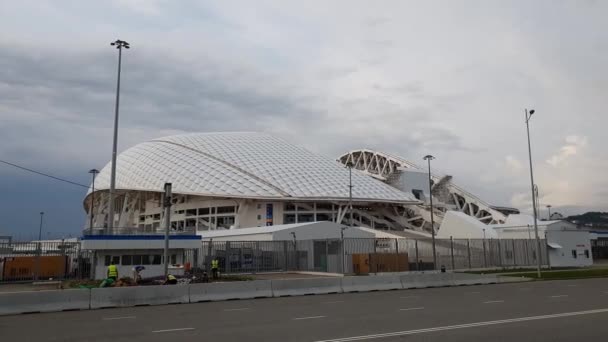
x,y
468,325
311,317
409,297
237,309
170,330
559,296
494,301
116,318
334,302
409,309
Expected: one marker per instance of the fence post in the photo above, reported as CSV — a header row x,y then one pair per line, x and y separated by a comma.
x,y
452,252
326,255
527,256
65,261
257,257
514,255
417,260
78,262
500,253
485,258
469,252
397,254
208,259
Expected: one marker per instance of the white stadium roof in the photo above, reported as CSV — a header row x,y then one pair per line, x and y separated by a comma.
x,y
241,165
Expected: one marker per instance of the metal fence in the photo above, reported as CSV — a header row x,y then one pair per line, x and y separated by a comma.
x,y
66,260
31,261
367,255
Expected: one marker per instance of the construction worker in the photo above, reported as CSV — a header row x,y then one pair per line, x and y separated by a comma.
x,y
112,271
215,266
171,280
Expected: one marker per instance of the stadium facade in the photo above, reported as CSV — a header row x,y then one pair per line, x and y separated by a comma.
x,y
246,179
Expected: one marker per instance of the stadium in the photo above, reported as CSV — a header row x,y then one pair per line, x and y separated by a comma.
x,y
246,179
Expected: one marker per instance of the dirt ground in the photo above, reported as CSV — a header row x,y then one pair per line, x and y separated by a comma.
x,y
272,276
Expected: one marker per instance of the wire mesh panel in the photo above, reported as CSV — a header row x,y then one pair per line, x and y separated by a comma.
x,y
30,261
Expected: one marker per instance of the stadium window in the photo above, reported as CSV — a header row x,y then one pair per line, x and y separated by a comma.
x,y
289,207
156,260
145,259
305,218
191,212
225,210
587,253
142,218
324,217
289,218
259,206
574,253
173,259
259,217
324,207
225,221
156,216
127,260
190,223
203,211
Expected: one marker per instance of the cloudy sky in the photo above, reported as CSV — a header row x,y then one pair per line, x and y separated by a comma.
x,y
450,78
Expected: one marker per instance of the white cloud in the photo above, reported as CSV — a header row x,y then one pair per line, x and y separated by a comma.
x,y
573,146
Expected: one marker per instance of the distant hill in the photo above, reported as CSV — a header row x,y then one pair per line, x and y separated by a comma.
x,y
592,218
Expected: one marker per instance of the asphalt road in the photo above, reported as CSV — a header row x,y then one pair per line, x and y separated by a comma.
x,y
536,311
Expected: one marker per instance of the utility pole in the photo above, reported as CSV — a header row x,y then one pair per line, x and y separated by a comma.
x,y
349,165
119,45
39,247
538,259
429,158
549,208
167,206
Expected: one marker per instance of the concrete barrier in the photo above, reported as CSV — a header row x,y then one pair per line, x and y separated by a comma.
x,y
371,283
424,280
139,295
507,279
461,279
301,287
44,301
230,290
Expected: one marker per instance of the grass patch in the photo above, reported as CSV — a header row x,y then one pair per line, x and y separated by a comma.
x,y
565,274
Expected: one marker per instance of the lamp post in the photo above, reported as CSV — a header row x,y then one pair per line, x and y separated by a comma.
x,y
119,45
39,247
549,208
428,158
528,116
349,165
93,172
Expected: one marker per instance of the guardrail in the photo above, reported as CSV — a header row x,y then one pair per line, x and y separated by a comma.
x,y
97,298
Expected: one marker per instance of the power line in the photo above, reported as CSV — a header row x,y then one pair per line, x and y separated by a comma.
x,y
44,174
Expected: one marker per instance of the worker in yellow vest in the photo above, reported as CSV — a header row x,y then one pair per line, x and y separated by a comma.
x,y
112,271
215,266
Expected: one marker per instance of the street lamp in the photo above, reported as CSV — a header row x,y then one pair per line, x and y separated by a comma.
x,y
93,172
39,247
549,208
428,158
349,165
528,116
119,45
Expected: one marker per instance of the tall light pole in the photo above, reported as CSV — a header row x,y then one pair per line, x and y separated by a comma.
x,y
528,116
342,229
549,208
39,247
119,45
428,158
349,165
93,172
167,207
